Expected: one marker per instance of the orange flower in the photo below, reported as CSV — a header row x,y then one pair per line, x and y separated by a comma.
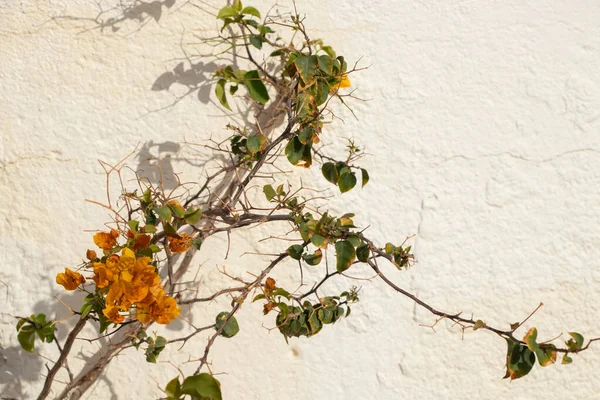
x,y
154,292
112,313
143,313
165,309
116,296
180,244
102,275
136,293
122,265
91,255
70,279
141,242
105,240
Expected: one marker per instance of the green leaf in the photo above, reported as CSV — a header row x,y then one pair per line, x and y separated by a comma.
x,y
546,356
306,135
202,386
294,151
237,5
329,50
160,343
231,327
365,176
295,251
283,310
177,209
256,87
259,296
220,93
147,198
170,230
325,64
39,319
479,324
225,12
313,259
363,252
269,192
197,243
281,292
26,339
154,248
256,41
173,389
330,172
576,342
154,349
192,216
149,229
566,359
48,330
322,92
389,248
345,254
251,11
519,360
164,212
319,241
306,66
85,309
355,240
133,224
104,322
347,181
256,143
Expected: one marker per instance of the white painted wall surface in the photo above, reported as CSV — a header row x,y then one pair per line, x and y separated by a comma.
x,y
484,133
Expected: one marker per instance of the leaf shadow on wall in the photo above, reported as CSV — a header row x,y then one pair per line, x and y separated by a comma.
x,y
196,78
17,365
157,167
115,18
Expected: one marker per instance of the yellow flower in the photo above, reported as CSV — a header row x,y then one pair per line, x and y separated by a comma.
x,y
105,240
343,83
70,279
180,244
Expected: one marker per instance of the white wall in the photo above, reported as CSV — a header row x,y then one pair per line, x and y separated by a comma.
x,y
483,133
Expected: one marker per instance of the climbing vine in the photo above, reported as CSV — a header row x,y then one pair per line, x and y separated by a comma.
x,y
132,275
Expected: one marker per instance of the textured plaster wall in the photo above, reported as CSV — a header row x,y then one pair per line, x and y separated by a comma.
x,y
483,129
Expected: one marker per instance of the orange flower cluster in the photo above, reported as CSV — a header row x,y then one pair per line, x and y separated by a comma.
x,y
134,283
130,283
